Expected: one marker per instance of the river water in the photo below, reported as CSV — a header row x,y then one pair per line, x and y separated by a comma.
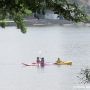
x,y
68,42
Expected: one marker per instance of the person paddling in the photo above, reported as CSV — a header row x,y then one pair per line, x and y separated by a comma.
x,y
58,61
38,60
42,62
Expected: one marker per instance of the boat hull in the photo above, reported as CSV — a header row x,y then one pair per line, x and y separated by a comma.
x,y
64,63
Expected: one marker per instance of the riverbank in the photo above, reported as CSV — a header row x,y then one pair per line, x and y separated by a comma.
x,y
46,22
40,22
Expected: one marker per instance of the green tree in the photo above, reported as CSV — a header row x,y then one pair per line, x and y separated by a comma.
x,y
17,9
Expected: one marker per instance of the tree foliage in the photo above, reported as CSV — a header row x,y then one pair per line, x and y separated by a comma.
x,y
84,75
17,9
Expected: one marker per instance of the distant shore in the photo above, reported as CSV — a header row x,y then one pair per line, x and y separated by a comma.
x,y
41,22
44,22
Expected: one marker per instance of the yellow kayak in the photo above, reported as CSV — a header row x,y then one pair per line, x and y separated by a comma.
x,y
64,63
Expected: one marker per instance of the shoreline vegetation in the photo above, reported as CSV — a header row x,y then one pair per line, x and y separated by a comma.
x,y
44,22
